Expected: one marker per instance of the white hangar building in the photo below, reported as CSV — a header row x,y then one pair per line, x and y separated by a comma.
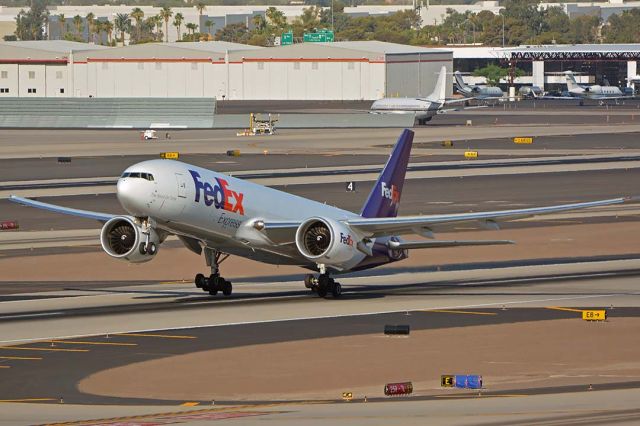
x,y
310,71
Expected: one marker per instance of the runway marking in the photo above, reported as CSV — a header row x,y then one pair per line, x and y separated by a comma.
x,y
459,312
174,282
163,336
77,342
559,308
25,358
28,400
15,348
355,314
189,404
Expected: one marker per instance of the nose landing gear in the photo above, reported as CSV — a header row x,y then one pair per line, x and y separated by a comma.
x,y
214,283
323,285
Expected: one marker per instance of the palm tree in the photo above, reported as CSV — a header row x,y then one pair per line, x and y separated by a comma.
x,y
61,22
177,22
108,28
157,21
123,24
166,13
201,8
77,23
98,28
192,29
209,24
137,14
91,19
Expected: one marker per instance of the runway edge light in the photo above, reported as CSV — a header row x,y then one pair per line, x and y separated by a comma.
x,y
594,315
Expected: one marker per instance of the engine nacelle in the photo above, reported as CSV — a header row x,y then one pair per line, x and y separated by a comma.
x,y
326,241
123,238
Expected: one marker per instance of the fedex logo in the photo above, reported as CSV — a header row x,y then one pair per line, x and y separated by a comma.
x,y
217,194
346,239
391,193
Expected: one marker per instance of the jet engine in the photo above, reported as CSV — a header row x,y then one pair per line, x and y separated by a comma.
x,y
326,241
124,238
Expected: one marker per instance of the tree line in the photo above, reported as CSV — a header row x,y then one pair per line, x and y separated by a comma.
x,y
520,22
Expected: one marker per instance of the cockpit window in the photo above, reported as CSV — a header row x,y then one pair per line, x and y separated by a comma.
x,y
140,175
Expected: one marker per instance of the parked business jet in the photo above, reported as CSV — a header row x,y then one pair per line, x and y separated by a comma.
x,y
423,108
595,91
477,91
221,216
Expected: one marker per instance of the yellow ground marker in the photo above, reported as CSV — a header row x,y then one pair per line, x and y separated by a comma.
x,y
16,348
26,358
190,404
74,342
559,308
28,400
175,282
165,336
460,312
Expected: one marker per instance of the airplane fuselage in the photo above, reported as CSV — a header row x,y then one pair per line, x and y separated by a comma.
x,y
221,211
422,108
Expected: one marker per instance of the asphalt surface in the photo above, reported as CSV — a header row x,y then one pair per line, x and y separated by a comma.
x,y
57,373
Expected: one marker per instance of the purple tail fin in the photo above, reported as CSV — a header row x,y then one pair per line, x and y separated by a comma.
x,y
384,199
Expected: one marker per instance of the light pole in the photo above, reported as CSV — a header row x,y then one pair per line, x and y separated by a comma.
x,y
502,15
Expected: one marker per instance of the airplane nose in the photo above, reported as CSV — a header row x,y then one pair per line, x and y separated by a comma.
x,y
128,196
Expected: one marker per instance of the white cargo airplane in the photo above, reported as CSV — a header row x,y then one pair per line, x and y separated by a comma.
x,y
423,108
223,216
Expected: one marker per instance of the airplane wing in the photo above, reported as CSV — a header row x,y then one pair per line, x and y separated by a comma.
x,y
283,232
387,226
101,217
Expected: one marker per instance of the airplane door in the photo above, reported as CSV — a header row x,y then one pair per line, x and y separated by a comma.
x,y
182,185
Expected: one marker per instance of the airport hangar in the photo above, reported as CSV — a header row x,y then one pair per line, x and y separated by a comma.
x,y
362,70
543,64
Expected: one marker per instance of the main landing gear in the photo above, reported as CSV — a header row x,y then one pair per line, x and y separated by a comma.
x,y
323,284
214,282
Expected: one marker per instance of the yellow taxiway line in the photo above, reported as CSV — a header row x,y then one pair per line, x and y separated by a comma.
x,y
559,308
75,342
27,358
17,348
460,312
28,400
165,336
190,404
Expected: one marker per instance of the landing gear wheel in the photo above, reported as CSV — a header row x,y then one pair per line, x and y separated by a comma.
x,y
325,284
152,249
213,284
201,281
227,288
309,281
336,291
143,248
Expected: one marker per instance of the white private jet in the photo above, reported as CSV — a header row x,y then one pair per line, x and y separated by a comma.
x,y
423,108
595,91
223,216
477,91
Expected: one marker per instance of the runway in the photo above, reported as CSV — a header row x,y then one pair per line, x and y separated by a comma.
x,y
133,343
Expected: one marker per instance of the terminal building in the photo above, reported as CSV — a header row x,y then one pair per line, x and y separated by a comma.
x,y
365,70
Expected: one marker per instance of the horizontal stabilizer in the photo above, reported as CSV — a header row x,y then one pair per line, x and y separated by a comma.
x,y
444,243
